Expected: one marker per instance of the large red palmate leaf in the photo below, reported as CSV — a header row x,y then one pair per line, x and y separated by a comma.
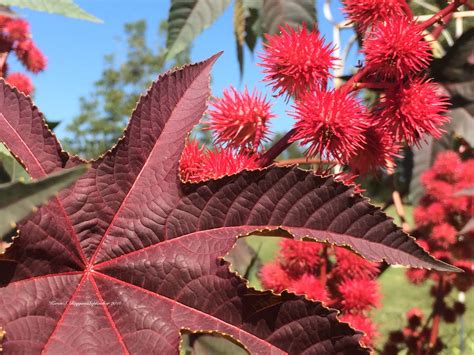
x,y
129,256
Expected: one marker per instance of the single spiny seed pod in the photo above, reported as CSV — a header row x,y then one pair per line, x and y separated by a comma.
x,y
449,315
220,162
396,48
21,82
331,123
311,286
414,316
296,61
359,295
30,56
365,13
190,164
390,349
459,307
379,152
364,324
240,120
413,109
397,336
464,280
350,265
274,277
17,30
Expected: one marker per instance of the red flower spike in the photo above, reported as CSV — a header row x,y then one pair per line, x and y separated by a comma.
x,y
414,109
240,120
364,13
351,265
30,56
273,277
379,152
300,257
359,295
296,61
363,324
330,123
310,286
21,82
396,47
17,30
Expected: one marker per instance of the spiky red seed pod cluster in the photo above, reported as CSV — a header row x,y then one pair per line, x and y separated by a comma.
x,y
442,213
440,216
296,61
15,36
349,283
240,120
395,51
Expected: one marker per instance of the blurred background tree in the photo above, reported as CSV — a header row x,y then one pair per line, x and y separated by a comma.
x,y
105,111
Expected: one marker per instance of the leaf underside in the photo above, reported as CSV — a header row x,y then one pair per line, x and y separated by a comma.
x,y
61,7
187,19
276,13
129,256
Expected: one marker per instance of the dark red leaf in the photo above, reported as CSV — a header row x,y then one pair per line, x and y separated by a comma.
x,y
129,256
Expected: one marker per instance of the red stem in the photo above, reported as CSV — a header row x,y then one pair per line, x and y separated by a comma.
x,y
358,86
438,29
276,149
442,13
436,317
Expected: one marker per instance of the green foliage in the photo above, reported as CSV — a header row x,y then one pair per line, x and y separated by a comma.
x,y
188,18
61,7
105,112
18,199
10,169
251,19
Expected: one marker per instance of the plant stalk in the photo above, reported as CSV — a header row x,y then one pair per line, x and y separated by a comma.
x,y
438,17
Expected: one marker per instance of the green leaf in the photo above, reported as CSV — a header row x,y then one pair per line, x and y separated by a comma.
x,y
11,166
19,199
61,7
292,12
187,19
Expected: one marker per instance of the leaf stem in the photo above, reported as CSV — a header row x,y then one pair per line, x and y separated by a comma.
x,y
439,28
438,17
436,316
268,158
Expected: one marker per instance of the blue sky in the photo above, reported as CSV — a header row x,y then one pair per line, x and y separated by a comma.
x,y
75,51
